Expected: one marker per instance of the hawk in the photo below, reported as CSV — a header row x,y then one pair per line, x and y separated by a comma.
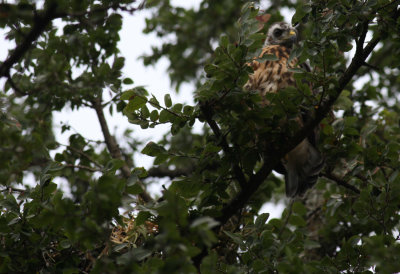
x,y
303,164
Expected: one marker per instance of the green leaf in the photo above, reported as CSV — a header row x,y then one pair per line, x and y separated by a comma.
x,y
167,100
267,57
235,237
160,158
126,95
224,41
301,12
145,112
154,116
120,247
297,220
309,244
344,102
114,164
134,189
118,63
299,208
142,217
127,81
177,108
135,103
153,149
204,221
188,110
261,220
296,70
165,116
141,172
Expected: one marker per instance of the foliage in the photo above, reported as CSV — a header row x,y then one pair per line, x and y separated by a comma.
x,y
207,219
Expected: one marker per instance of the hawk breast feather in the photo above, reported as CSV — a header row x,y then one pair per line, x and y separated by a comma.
x,y
272,76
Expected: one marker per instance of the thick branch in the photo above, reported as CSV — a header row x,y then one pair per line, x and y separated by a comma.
x,y
207,112
112,145
39,25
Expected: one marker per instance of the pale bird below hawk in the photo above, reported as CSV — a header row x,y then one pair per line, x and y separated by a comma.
x,y
303,164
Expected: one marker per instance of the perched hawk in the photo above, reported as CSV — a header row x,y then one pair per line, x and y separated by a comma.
x,y
303,164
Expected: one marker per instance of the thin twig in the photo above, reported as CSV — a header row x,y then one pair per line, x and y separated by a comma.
x,y
371,66
16,89
340,182
287,217
160,172
82,167
85,155
12,189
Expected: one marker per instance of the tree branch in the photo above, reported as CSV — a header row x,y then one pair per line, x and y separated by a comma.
x,y
10,189
207,112
83,167
112,145
17,90
341,182
161,172
39,25
86,156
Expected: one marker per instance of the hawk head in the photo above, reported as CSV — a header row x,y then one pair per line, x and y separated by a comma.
x,y
281,33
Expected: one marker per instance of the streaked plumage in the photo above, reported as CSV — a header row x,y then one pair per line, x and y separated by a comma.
x,y
303,164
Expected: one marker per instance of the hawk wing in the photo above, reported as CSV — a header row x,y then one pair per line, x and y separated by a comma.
x,y
303,164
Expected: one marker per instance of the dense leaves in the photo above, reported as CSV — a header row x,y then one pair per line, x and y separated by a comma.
x,y
212,183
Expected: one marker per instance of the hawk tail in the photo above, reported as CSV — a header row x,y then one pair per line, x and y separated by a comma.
x,y
302,169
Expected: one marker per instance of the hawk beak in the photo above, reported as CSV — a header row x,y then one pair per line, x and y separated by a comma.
x,y
292,36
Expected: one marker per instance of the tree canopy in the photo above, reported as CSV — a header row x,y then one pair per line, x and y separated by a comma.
x,y
208,217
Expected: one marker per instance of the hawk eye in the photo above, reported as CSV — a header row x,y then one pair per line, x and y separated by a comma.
x,y
278,32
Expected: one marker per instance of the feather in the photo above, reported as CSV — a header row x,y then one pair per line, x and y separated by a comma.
x,y
303,164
